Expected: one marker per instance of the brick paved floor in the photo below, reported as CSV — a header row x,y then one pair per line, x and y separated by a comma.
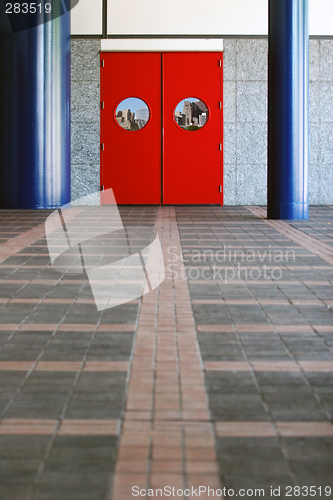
x,y
221,377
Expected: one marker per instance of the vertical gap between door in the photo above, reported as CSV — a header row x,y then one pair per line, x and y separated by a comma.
x,y
101,98
222,131
162,139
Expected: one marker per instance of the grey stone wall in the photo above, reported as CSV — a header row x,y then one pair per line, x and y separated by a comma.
x,y
245,122
321,122
85,116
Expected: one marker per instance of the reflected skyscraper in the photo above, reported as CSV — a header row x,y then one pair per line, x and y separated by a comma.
x,y
142,114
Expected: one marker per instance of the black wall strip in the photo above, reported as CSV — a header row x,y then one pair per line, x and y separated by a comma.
x,y
225,37
105,19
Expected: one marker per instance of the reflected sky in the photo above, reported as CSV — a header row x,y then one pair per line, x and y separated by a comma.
x,y
132,103
180,106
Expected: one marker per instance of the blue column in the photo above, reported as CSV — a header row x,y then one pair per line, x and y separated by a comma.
x,y
288,111
35,114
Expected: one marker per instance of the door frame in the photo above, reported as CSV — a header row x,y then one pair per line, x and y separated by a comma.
x,y
163,45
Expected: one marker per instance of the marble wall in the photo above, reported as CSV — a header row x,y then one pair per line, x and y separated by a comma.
x,y
321,122
85,113
245,121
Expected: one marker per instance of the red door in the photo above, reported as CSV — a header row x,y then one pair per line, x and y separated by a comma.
x,y
188,156
131,157
192,164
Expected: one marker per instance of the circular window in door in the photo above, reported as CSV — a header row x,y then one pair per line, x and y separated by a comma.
x,y
191,114
132,114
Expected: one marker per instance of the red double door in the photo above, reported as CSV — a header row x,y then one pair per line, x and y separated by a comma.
x,y
162,163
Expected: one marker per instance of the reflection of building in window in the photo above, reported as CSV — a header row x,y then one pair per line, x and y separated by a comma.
x,y
142,114
125,115
187,111
194,114
202,119
141,123
180,119
201,106
126,119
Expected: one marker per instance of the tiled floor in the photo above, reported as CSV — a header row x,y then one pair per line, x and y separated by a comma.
x,y
222,377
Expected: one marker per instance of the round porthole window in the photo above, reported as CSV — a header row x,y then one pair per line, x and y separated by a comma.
x,y
132,114
191,114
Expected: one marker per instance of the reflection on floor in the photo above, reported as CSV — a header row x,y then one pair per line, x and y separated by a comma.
x,y
222,377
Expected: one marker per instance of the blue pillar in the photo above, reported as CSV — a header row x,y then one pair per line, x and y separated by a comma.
x,y
35,114
288,111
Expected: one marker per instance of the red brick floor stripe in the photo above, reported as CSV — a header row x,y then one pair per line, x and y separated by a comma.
x,y
19,366
24,301
33,254
62,282
117,328
46,301
35,282
254,328
208,302
4,327
307,303
68,427
58,366
244,429
293,328
39,327
274,366
308,242
15,282
317,282
68,366
166,420
26,266
266,429
216,328
27,327
88,428
259,328
264,302
316,366
24,240
77,327
111,301
227,366
323,328
305,429
210,282
27,427
106,366
242,328
57,301
66,327
20,242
